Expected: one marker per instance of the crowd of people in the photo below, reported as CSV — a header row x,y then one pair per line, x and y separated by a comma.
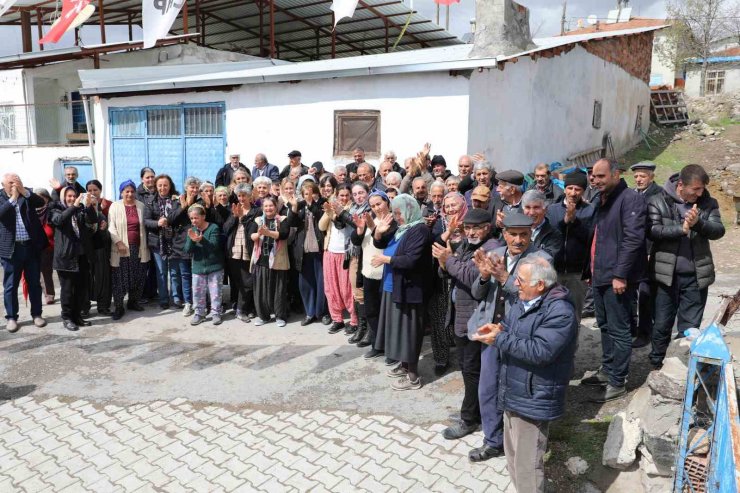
x,y
499,265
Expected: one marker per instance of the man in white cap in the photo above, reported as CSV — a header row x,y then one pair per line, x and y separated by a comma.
x,y
226,173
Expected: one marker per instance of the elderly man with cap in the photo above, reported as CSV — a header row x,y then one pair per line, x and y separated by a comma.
x,y
573,217
536,343
439,168
463,272
263,168
496,291
543,183
618,261
225,175
295,162
644,175
509,197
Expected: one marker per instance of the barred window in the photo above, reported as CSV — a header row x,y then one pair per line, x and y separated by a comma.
x,y
715,82
7,123
204,120
357,128
163,122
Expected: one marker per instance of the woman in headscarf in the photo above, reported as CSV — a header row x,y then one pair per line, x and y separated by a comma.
x,y
130,254
47,256
308,250
360,206
100,271
160,234
238,252
454,208
406,258
270,263
74,219
336,261
371,275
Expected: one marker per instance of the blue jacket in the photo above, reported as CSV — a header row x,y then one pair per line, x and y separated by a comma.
x,y
270,170
620,223
31,221
537,350
574,254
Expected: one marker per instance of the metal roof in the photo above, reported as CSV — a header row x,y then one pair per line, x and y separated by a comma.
x,y
139,79
302,28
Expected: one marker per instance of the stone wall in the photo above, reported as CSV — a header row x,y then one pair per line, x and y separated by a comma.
x,y
633,53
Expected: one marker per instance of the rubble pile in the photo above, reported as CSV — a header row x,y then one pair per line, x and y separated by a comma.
x,y
711,109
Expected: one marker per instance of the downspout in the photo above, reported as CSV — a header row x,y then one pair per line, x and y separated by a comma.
x,y
90,142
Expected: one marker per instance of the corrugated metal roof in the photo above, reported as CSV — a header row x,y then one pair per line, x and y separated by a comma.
x,y
303,28
121,80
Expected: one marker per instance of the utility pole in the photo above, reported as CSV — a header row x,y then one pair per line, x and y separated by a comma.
x,y
562,19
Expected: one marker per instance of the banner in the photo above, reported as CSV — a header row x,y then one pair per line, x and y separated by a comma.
x,y
5,5
446,2
158,18
343,8
71,11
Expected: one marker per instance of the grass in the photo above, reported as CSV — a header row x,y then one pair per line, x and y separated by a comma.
x,y
669,156
725,122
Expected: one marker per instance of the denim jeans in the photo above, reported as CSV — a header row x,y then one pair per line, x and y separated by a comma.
x,y
25,260
683,299
311,284
614,316
492,417
164,267
181,278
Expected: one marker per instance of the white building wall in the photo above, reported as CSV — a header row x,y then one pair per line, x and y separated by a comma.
x,y
541,111
276,118
666,72
36,165
732,78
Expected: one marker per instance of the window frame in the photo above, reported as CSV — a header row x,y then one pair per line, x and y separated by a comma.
x,y
8,113
339,116
717,78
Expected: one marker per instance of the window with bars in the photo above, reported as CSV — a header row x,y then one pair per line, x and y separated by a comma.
x,y
715,82
7,123
596,120
356,128
163,122
204,120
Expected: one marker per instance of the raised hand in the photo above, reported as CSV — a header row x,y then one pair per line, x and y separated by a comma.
x,y
359,220
55,184
570,211
441,253
369,221
195,235
500,219
383,224
237,210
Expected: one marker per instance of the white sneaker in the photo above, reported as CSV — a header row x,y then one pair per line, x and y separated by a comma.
x,y
280,323
187,310
258,321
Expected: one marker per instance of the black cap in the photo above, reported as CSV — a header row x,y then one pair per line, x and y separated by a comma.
x,y
318,165
643,165
294,153
576,177
511,176
517,220
439,159
477,216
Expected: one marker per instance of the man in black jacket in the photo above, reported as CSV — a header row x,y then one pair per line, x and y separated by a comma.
x,y
682,221
226,173
22,239
70,180
573,217
544,235
644,175
618,258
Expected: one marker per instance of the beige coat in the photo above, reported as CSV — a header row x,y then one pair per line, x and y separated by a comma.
x,y
118,230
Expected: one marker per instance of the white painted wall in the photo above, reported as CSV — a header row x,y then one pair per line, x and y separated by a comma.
x,y
277,118
667,71
541,111
732,77
36,165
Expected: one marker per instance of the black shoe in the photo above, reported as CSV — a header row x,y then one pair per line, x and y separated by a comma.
x,y
82,323
105,312
307,321
177,305
598,379
484,453
640,341
365,340
609,394
391,362
440,368
374,353
164,306
588,314
458,430
118,314
336,327
350,329
135,307
70,325
85,314
326,320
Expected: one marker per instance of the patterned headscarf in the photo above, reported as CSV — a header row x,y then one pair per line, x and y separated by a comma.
x,y
381,194
460,199
410,212
124,185
63,192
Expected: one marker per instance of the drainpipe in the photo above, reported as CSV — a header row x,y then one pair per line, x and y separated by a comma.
x,y
90,142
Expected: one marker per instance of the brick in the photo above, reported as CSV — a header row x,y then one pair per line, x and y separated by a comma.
x,y
142,468
88,476
309,453
32,484
261,461
184,474
272,486
209,470
373,469
371,484
20,473
304,467
176,450
192,460
351,474
228,481
398,482
329,463
60,480
418,473
469,481
152,453
253,476
157,478
217,456
235,466
427,463
301,484
130,483
280,472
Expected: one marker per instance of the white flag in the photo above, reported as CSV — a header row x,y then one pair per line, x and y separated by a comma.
x,y
5,5
343,8
158,18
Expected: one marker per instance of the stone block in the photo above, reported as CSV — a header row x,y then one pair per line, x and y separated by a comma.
x,y
576,466
660,430
669,381
621,443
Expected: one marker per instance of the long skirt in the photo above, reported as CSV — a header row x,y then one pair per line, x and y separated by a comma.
x,y
129,278
100,272
403,329
242,282
270,292
338,288
442,332
47,271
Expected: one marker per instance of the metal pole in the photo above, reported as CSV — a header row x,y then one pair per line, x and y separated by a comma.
x,y
562,19
101,19
90,142
39,25
130,29
26,31
447,17
333,38
197,17
437,17
262,35
185,17
272,28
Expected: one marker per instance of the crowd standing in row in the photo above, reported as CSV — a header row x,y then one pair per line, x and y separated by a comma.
x,y
498,265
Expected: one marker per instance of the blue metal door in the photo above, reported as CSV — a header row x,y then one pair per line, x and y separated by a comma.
x,y
180,141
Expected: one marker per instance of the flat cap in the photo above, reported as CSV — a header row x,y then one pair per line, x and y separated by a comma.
x,y
517,220
511,176
294,153
481,192
477,216
439,159
643,165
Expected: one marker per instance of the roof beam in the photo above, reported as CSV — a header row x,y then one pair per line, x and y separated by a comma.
x,y
390,22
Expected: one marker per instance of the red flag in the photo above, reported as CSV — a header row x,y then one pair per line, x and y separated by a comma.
x,y
71,9
446,2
